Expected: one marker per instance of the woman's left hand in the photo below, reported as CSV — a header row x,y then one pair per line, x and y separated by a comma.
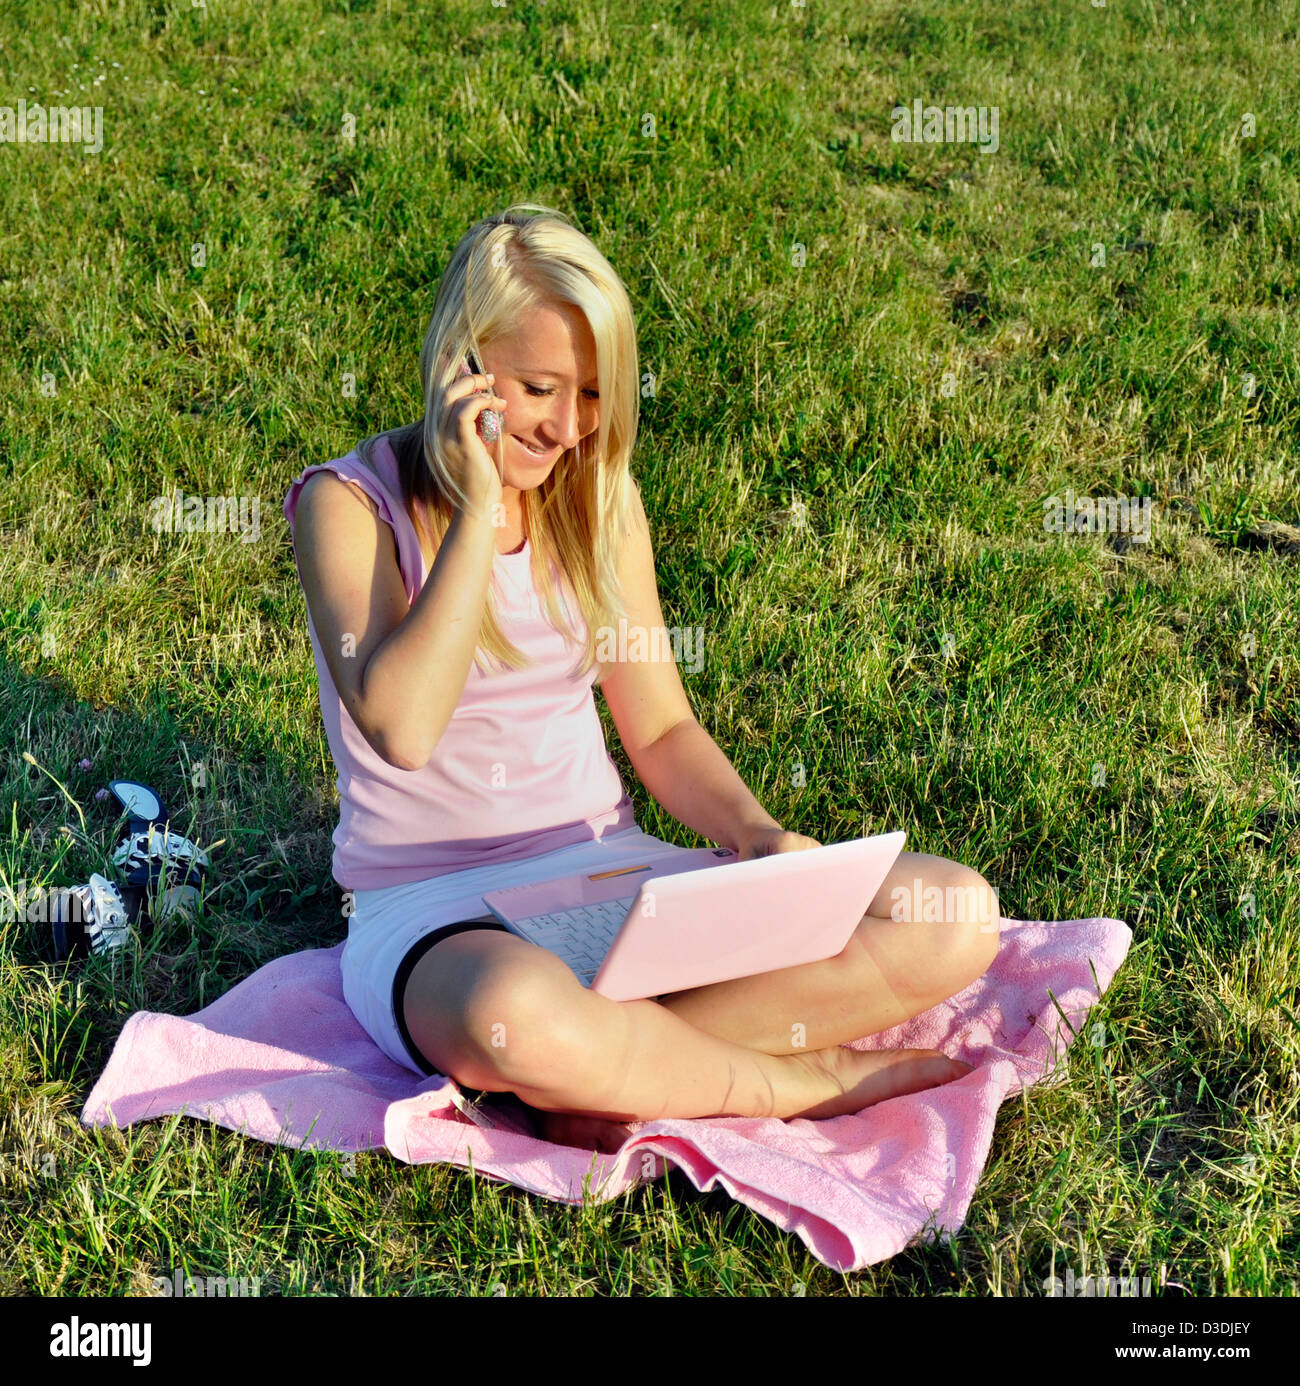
x,y
766,842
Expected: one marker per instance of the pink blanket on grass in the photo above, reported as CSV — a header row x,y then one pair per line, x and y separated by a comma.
x,y
281,1058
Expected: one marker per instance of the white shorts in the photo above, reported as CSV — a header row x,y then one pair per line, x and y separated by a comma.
x,y
390,929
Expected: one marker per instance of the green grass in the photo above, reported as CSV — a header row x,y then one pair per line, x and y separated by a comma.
x,y
946,357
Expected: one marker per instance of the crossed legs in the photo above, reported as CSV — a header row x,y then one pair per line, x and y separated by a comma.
x,y
498,1014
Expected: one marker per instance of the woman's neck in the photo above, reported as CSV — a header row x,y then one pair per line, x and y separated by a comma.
x,y
511,538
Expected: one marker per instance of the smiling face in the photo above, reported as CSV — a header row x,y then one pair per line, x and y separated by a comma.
x,y
546,372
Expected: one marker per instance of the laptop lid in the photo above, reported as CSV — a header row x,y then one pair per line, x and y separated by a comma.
x,y
689,926
689,930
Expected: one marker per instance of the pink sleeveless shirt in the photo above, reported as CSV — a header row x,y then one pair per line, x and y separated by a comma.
x,y
522,767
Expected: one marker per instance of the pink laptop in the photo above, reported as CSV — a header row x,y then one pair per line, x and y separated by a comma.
x,y
663,923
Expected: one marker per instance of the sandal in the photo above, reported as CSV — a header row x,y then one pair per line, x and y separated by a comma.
x,y
151,852
98,917
143,805
89,918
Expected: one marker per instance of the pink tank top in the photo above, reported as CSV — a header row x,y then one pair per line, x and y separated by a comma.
x,y
522,767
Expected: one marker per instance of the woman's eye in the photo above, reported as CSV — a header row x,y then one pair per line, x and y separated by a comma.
x,y
537,390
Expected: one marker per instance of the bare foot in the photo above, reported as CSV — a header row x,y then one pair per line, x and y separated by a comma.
x,y
837,1081
585,1132
859,1079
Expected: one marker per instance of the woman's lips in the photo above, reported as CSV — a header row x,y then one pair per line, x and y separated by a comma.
x,y
535,456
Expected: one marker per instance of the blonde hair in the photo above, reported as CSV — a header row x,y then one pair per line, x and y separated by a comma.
x,y
502,266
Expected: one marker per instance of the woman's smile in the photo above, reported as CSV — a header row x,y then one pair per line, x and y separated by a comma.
x,y
533,454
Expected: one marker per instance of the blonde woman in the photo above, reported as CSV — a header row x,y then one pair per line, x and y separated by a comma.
x,y
455,591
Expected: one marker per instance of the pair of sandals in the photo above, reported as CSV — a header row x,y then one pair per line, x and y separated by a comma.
x,y
163,872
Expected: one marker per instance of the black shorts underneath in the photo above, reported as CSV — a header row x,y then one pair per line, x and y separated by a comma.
x,y
407,966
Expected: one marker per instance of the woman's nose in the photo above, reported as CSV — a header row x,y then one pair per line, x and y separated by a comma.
x,y
569,422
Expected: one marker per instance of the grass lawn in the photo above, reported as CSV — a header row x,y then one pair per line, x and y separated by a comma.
x,y
874,363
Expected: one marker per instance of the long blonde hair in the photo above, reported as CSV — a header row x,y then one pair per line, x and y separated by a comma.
x,y
502,266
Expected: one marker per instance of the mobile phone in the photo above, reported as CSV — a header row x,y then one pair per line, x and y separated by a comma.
x,y
489,421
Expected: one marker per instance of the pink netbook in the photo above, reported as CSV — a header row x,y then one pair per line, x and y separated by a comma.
x,y
664,923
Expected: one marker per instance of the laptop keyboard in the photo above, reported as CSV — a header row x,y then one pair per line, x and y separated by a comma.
x,y
580,937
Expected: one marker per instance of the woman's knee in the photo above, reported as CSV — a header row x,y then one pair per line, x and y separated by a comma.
x,y
489,1006
974,921
959,913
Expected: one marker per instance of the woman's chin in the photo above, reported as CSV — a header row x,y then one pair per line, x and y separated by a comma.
x,y
527,478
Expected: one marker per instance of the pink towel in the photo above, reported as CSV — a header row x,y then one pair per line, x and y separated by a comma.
x,y
281,1057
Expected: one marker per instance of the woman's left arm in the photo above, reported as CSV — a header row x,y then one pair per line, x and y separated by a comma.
x,y
674,757
689,774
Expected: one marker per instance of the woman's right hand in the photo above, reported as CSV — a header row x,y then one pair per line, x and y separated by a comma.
x,y
472,465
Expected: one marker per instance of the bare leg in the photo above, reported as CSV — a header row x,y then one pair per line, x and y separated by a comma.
x,y
647,1063
502,1015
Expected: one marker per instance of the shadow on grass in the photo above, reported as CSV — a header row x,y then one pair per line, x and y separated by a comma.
x,y
271,890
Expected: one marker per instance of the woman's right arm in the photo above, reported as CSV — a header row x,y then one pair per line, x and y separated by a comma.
x,y
399,668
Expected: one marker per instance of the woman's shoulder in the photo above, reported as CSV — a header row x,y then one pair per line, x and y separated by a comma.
x,y
328,490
